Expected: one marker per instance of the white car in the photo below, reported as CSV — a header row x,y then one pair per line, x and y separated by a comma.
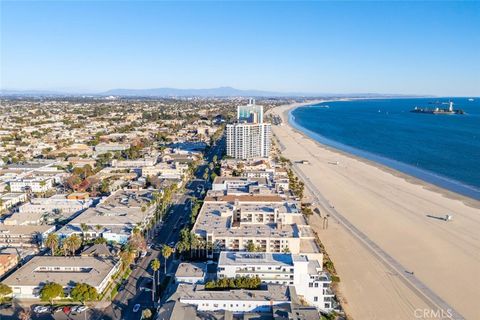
x,y
41,309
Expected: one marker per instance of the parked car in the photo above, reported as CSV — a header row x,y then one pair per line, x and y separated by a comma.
x,y
41,309
79,309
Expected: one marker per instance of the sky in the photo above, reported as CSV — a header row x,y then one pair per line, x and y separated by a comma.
x,y
318,47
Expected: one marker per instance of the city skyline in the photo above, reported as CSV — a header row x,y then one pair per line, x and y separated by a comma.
x,y
356,47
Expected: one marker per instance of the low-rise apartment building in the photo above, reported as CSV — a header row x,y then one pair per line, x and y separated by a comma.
x,y
8,200
307,275
110,147
236,300
115,217
27,281
24,236
37,184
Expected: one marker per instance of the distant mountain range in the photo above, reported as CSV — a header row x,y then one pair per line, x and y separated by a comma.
x,y
173,92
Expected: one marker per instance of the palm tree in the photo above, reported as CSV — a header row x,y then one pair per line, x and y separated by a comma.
x,y
25,314
52,242
166,253
84,228
72,244
155,264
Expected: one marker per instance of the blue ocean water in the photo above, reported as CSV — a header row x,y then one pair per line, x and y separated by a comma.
x,y
441,149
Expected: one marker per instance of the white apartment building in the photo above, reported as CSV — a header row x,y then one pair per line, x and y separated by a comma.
x,y
308,277
248,140
8,200
27,281
58,202
136,163
38,184
235,301
249,137
251,113
110,147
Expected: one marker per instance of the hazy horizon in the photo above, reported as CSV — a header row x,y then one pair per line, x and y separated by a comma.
x,y
420,48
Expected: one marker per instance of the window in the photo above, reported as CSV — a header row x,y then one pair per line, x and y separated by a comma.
x,y
310,285
315,299
316,284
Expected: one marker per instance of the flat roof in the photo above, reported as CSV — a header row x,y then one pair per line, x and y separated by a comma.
x,y
42,269
271,292
191,269
24,229
254,258
122,208
209,220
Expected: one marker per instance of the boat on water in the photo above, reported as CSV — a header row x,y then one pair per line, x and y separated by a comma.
x,y
438,110
471,99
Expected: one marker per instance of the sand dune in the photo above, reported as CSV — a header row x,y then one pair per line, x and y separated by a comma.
x,y
391,210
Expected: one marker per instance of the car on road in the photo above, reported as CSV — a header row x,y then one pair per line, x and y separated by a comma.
x,y
41,309
136,307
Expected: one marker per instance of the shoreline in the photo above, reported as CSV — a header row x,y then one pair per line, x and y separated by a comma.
x,y
392,212
450,194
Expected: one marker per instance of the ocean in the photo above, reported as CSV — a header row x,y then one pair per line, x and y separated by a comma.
x,y
441,149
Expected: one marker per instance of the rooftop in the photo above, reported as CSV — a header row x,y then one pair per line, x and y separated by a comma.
x,y
63,270
268,293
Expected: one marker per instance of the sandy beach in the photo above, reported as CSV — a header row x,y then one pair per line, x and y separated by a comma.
x,y
391,209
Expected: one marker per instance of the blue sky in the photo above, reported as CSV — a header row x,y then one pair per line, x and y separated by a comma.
x,y
324,47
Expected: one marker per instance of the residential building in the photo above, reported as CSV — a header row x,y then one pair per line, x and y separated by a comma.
x,y
248,140
115,217
235,300
250,113
110,147
37,184
269,222
249,137
307,275
27,281
24,236
191,272
8,200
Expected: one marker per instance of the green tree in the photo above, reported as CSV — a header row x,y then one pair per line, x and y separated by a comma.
x,y
71,244
250,246
51,291
84,292
84,228
146,314
166,253
4,291
52,242
155,264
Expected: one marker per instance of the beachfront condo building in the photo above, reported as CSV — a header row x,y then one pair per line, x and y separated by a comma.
x,y
248,140
249,137
267,223
250,113
306,275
